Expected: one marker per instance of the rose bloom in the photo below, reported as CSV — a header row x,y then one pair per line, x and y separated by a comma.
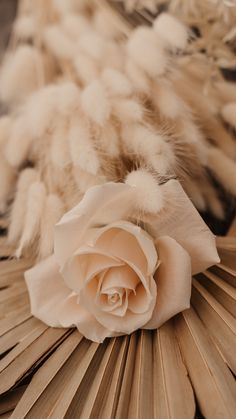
x,y
109,277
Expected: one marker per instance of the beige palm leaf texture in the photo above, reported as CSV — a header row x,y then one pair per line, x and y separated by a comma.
x,y
185,369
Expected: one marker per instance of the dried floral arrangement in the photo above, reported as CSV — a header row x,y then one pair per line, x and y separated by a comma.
x,y
128,238
105,128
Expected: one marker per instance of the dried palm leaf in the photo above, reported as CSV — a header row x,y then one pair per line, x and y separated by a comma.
x,y
57,373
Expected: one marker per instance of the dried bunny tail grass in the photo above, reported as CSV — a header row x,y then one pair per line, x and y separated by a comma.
x,y
116,82
59,147
171,31
228,113
105,25
18,145
53,211
214,204
7,173
203,195
86,68
205,112
68,98
34,211
82,151
127,110
39,110
85,180
194,192
147,194
168,102
60,45
192,143
5,128
144,143
93,45
108,140
7,182
25,28
43,106
223,168
139,78
17,215
95,102
21,73
75,25
147,52
226,91
70,6
114,56
130,5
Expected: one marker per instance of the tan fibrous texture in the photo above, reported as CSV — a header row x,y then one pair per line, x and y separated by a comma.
x,y
90,101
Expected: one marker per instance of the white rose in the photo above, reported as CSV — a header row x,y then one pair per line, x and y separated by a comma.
x,y
108,276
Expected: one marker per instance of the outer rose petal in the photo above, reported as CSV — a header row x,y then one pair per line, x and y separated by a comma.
x,y
101,204
85,264
127,241
173,279
47,291
93,330
54,304
186,226
73,314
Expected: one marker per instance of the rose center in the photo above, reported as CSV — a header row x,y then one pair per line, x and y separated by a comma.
x,y
113,298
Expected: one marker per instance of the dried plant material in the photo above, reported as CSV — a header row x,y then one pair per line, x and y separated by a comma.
x,y
59,44
148,195
27,177
85,68
24,28
19,142
229,114
111,99
82,151
109,140
151,146
7,180
116,82
59,148
21,74
53,211
223,168
33,215
208,372
171,31
64,364
95,103
147,52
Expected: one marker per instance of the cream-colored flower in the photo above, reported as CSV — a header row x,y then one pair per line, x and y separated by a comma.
x,y
108,276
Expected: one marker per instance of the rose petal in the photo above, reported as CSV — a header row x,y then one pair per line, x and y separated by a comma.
x,y
126,240
121,311
173,279
122,325
101,204
55,304
184,224
47,291
102,300
84,265
139,301
120,276
89,327
73,314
